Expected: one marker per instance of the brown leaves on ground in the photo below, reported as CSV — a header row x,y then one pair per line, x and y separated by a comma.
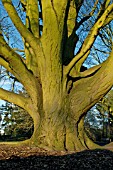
x,y
7,151
26,158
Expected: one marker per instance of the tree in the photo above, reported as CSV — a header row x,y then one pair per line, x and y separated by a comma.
x,y
105,107
99,120
93,124
59,92
15,122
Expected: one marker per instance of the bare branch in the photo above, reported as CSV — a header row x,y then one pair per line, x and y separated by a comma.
x,y
86,73
89,40
5,64
23,2
103,40
15,65
32,17
107,2
108,19
103,6
101,81
19,50
78,4
72,15
88,16
14,98
10,57
57,11
72,27
90,71
28,36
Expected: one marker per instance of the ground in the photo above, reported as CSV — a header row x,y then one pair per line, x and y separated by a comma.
x,y
26,158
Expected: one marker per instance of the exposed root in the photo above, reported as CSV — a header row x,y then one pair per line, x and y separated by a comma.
x,y
17,143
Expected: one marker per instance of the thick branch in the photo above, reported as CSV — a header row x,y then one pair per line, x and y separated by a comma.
x,y
10,59
53,30
72,27
17,99
15,64
70,37
96,86
5,64
108,19
86,73
32,24
55,11
28,36
89,40
32,17
107,2
72,15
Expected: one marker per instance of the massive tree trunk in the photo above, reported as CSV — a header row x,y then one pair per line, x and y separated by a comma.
x,y
61,125
59,94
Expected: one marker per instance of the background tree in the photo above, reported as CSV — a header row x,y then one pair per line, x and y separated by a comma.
x,y
99,120
105,107
93,124
15,122
59,93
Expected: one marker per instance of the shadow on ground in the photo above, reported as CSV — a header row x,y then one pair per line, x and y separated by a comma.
x,y
86,160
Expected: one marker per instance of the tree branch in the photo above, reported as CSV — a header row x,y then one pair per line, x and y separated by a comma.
x,y
17,99
86,73
70,37
78,4
5,64
72,15
73,26
23,3
103,6
88,16
31,8
108,19
15,64
54,31
96,86
26,34
32,17
19,50
55,11
10,58
89,40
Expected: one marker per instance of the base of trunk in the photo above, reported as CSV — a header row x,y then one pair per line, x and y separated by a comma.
x,y
60,136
